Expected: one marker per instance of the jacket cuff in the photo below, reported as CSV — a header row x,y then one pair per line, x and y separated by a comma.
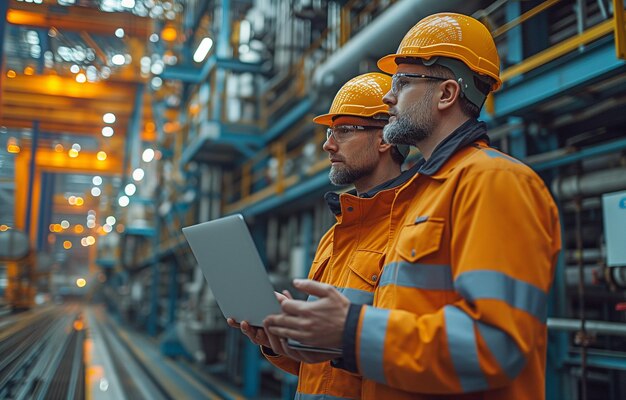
x,y
348,360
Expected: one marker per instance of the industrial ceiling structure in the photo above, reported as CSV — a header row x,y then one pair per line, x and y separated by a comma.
x,y
76,93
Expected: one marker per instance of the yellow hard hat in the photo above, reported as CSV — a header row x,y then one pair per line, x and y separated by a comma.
x,y
449,35
361,96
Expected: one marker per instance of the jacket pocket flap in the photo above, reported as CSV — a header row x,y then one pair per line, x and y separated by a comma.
x,y
367,265
420,239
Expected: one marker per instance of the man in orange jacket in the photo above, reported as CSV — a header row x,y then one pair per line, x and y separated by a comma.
x,y
459,311
350,255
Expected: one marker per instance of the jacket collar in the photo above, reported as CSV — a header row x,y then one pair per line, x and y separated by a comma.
x,y
471,131
332,198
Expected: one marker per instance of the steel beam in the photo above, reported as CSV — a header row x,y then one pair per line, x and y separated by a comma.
x,y
593,64
76,19
605,148
286,121
191,74
301,190
4,6
31,176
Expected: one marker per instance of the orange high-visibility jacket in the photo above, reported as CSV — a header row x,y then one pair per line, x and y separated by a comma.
x,y
349,256
460,307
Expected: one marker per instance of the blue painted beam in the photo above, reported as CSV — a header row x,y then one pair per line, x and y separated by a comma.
x,y
582,68
238,140
154,302
604,148
31,175
4,7
292,116
45,208
192,74
607,361
301,190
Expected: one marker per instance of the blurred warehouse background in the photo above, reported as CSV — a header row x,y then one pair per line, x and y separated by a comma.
x,y
123,120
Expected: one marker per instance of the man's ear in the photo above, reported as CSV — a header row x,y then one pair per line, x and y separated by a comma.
x,y
449,94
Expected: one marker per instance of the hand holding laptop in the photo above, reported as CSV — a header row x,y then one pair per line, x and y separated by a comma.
x,y
279,346
232,266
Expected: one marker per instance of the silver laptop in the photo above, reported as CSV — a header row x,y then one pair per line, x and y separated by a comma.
x,y
233,268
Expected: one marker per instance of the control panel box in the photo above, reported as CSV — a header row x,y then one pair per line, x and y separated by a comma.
x,y
614,210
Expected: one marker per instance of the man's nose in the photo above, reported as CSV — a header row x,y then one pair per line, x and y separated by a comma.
x,y
389,98
330,145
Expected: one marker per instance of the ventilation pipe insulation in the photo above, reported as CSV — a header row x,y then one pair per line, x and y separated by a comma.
x,y
382,36
591,184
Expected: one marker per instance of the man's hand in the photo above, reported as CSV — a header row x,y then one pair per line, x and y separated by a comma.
x,y
256,335
317,323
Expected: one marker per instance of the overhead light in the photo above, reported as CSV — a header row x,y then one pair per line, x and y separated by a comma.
x,y
95,192
169,34
138,174
156,82
73,153
123,201
154,38
107,131
96,180
108,118
101,155
75,69
130,189
111,220
11,74
128,3
76,147
13,145
81,78
203,49
148,155
119,32
118,59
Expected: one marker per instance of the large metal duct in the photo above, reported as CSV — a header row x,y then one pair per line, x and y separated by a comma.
x,y
591,184
379,38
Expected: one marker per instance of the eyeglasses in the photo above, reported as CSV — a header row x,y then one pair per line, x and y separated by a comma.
x,y
399,81
342,133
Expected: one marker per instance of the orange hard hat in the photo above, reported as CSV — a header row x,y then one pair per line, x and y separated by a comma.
x,y
361,96
449,35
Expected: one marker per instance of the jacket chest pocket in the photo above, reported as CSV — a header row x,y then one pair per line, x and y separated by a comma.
x,y
363,276
420,238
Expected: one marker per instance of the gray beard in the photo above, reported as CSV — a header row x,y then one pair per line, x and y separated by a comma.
x,y
347,176
406,130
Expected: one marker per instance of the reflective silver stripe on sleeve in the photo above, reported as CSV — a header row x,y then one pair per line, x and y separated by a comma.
x,y
463,349
415,275
303,396
372,344
483,284
504,349
356,296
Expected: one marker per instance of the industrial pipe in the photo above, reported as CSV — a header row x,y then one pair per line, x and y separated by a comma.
x,y
601,327
591,184
380,37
